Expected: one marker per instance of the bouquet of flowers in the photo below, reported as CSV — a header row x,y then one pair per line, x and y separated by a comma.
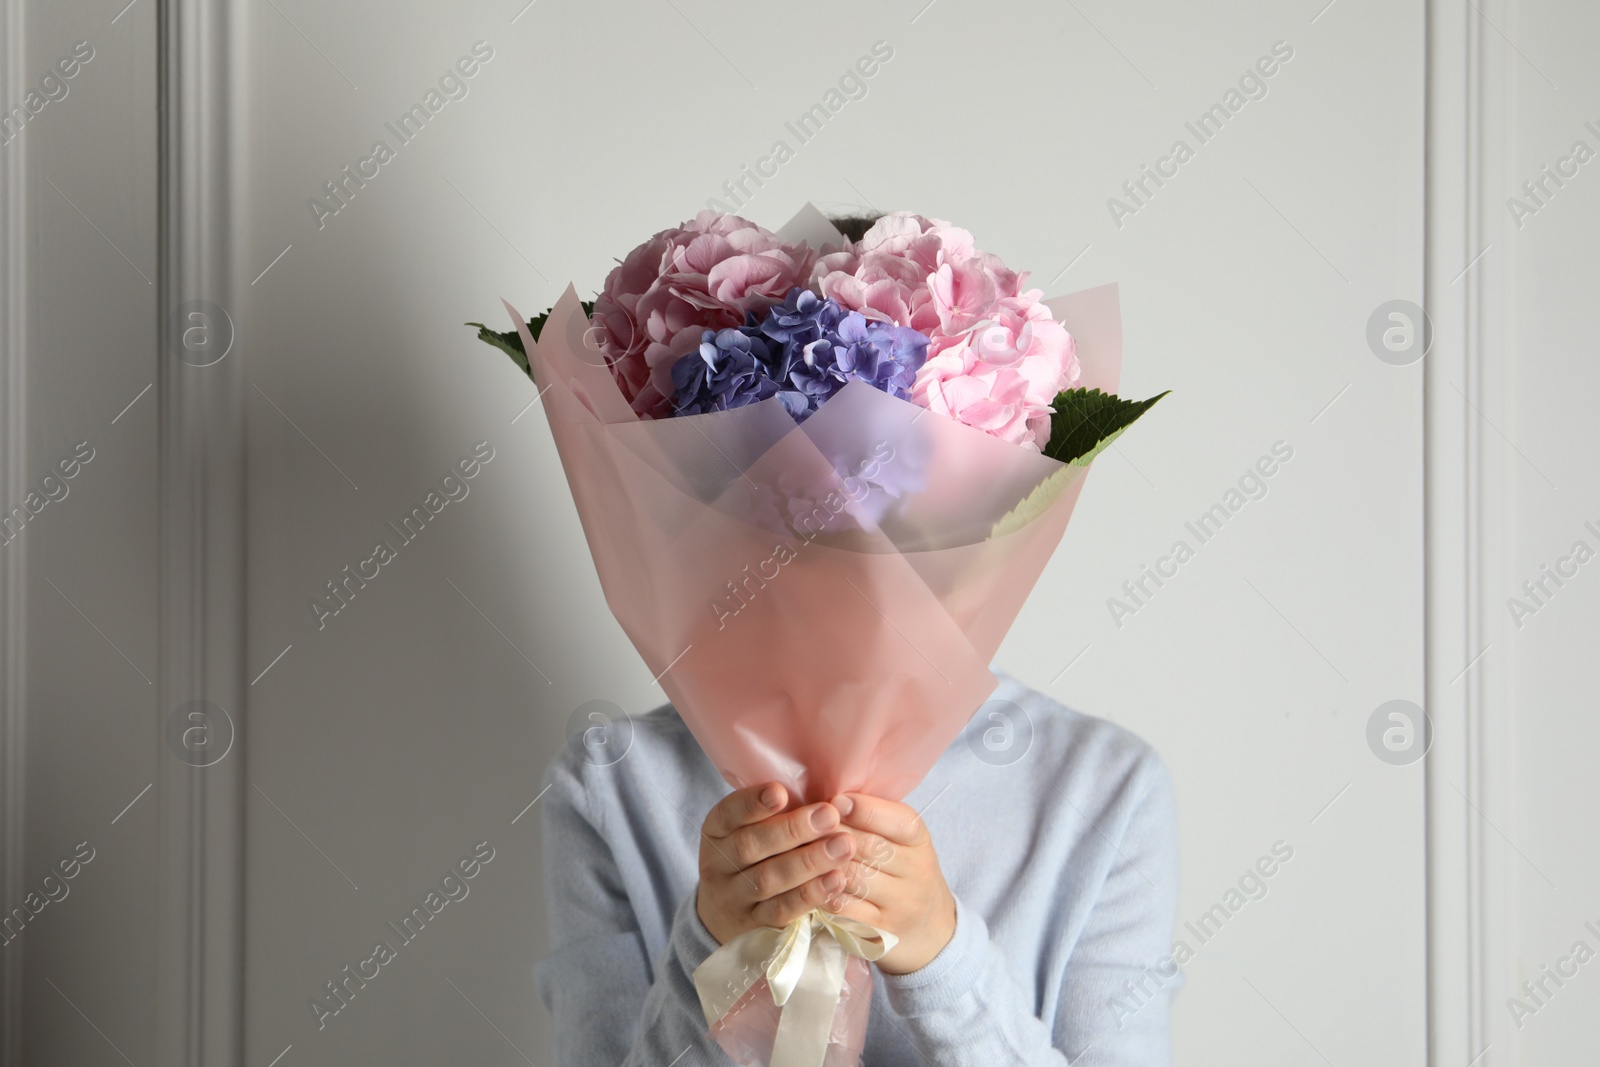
x,y
819,474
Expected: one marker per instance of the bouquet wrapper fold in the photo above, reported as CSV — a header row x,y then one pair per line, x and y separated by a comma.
x,y
820,601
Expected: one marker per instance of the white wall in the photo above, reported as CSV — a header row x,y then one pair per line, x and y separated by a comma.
x,y
385,744
1542,838
410,727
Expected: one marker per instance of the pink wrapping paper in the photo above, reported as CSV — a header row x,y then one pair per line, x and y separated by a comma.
x,y
820,601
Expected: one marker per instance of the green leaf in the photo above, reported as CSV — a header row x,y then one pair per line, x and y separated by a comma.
x,y
1084,423
1036,503
510,342
1087,420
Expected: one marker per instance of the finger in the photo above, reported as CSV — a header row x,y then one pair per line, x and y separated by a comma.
x,y
749,845
874,852
785,908
797,866
868,884
852,906
887,818
743,807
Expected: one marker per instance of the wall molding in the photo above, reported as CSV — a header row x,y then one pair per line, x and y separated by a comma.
x,y
14,318
202,542
1470,92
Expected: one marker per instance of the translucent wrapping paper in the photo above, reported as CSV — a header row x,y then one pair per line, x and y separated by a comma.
x,y
820,600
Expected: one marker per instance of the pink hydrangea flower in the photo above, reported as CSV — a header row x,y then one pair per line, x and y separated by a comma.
x,y
1001,374
705,274
996,357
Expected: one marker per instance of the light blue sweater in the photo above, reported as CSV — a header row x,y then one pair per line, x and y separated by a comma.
x,y
1063,864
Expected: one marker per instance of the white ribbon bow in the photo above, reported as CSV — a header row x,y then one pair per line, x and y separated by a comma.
x,y
803,964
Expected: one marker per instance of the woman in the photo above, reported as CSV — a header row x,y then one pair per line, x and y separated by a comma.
x,y
1033,892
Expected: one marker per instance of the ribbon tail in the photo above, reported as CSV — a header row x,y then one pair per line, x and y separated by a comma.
x,y
806,1025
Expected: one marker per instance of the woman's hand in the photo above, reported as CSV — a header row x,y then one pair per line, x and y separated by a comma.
x,y
760,868
895,882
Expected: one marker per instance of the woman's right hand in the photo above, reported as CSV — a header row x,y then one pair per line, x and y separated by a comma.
x,y
761,868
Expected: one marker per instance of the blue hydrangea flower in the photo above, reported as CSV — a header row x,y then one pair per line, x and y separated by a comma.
x,y
731,368
802,352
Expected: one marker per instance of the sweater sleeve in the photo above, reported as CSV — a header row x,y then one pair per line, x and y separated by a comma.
x,y
963,1007
597,982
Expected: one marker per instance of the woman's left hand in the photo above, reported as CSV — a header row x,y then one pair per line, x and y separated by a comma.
x,y
894,881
